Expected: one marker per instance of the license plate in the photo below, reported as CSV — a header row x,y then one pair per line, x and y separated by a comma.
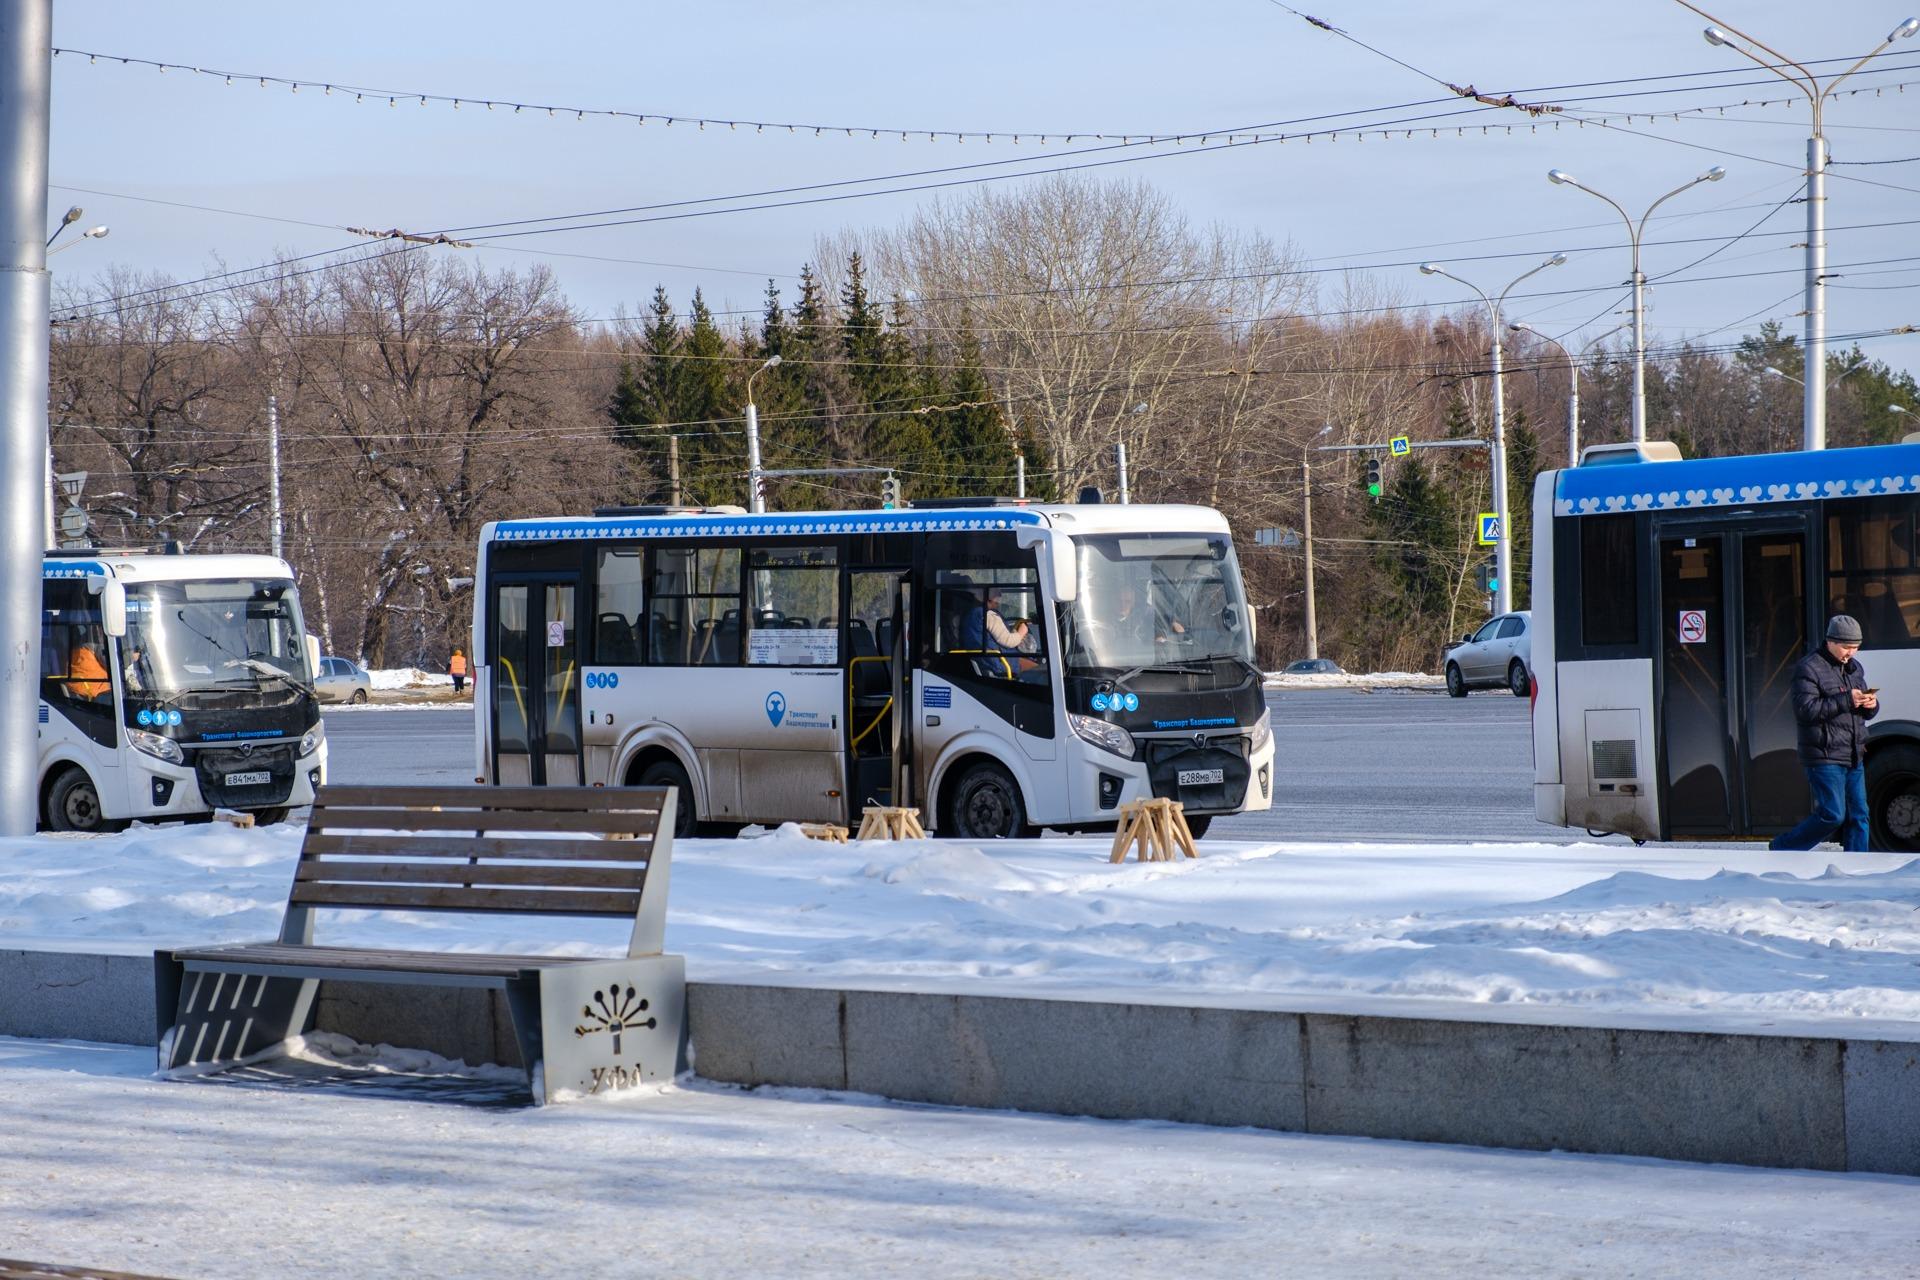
x,y
1202,777
260,777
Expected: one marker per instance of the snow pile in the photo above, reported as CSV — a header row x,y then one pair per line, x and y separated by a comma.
x,y
388,678
1352,680
1674,932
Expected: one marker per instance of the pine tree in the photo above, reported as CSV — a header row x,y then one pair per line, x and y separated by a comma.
x,y
971,438
643,399
715,463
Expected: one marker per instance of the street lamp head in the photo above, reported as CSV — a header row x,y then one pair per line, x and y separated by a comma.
x,y
1779,373
1560,176
1521,326
1556,260
95,233
1430,268
1900,409
1902,31
772,361
1718,38
1714,174
72,215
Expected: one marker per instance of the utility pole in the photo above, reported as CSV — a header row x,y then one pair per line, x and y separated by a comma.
x,y
1120,457
1306,523
1019,474
273,473
673,467
756,484
26,79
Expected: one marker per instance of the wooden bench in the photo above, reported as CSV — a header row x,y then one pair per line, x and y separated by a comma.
x,y
583,1025
15,1269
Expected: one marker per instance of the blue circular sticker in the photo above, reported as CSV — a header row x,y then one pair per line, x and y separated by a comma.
x,y
1133,702
1099,702
145,717
173,717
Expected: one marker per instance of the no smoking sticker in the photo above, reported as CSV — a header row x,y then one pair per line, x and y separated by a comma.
x,y
1693,626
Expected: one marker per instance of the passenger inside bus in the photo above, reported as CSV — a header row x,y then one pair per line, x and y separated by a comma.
x,y
1008,650
87,675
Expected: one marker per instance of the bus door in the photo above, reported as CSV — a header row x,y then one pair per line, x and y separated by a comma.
x,y
879,681
534,662
1733,622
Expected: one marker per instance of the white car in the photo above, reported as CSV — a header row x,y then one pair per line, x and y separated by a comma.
x,y
1498,655
341,680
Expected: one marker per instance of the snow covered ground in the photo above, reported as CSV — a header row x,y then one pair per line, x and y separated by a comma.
x,y
105,1166
1706,938
1356,680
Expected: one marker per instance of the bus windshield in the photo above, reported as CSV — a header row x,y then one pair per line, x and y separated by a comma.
x,y
1155,600
228,636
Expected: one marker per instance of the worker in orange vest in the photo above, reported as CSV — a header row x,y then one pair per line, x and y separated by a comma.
x,y
86,675
457,668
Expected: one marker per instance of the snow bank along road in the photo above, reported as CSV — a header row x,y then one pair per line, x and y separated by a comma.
x,y
107,1167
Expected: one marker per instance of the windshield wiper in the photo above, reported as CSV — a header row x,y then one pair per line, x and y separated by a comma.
x,y
268,669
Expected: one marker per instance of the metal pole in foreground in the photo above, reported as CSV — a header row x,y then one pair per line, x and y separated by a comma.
x,y
273,470
756,482
26,71
1306,523
1120,457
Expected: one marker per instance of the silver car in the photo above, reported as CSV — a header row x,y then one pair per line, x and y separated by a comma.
x,y
1499,654
342,681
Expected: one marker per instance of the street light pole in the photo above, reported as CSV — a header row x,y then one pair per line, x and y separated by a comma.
x,y
1814,429
26,72
1573,381
756,500
1503,549
1634,232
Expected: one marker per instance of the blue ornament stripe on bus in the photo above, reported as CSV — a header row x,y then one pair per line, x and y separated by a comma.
x,y
71,568
737,526
1744,481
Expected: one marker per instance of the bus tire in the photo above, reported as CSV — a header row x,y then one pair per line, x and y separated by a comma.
x,y
73,804
1518,680
1197,825
267,817
666,773
1456,683
984,804
1893,798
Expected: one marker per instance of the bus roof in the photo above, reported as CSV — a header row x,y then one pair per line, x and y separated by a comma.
x,y
144,567
1088,518
1746,480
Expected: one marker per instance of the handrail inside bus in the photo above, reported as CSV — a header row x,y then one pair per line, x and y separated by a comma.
x,y
879,715
877,718
996,653
513,683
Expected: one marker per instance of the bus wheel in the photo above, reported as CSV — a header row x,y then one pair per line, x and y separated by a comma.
x,y
1198,825
74,805
1518,680
1893,798
986,805
1456,683
665,773
267,817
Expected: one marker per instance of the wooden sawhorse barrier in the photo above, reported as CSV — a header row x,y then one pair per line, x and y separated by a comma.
x,y
887,822
1156,828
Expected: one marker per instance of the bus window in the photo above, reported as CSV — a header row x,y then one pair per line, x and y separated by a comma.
x,y
1871,572
619,605
1609,581
73,649
696,606
792,618
986,605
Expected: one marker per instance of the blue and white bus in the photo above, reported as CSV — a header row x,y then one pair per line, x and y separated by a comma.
x,y
1002,666
1671,600
173,685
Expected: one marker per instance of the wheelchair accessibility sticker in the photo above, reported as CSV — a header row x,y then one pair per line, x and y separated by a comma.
x,y
1116,701
158,717
603,680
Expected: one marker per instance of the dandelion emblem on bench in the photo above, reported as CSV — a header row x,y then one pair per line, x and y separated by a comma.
x,y
622,1014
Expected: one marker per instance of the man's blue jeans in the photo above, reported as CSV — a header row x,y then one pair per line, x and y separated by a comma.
x,y
1839,805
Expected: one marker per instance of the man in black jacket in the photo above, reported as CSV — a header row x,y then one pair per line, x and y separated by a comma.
x,y
1833,703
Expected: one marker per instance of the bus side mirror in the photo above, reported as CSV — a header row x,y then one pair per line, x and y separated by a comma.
x,y
1066,567
313,655
113,603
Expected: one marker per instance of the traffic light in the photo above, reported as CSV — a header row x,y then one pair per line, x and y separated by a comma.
x,y
1490,575
889,493
1373,477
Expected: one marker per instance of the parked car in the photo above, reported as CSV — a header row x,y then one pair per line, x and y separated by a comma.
x,y
1498,654
341,680
1313,667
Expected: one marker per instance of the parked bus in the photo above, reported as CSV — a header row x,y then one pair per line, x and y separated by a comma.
x,y
172,685
1001,666
1671,600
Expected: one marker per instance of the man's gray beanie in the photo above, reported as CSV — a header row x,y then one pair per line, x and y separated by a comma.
x,y
1843,628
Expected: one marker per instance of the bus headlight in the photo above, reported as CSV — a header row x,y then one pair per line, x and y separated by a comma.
x,y
156,746
310,740
1107,737
1262,733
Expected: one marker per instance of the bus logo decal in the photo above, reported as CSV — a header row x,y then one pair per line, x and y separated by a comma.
x,y
776,707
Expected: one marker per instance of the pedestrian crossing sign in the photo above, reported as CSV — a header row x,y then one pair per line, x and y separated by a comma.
x,y
1490,532
1399,446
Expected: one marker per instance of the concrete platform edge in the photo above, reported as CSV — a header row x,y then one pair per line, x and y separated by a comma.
x,y
1787,1101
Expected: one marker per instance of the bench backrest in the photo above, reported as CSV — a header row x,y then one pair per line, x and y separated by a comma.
x,y
573,851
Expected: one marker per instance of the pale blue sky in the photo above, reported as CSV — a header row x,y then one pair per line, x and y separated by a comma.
x,y
1068,66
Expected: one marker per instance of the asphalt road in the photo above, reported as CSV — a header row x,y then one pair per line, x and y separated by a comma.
x,y
1391,765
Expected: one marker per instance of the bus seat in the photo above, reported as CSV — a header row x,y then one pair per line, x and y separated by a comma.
x,y
883,636
860,639
797,624
614,642
668,639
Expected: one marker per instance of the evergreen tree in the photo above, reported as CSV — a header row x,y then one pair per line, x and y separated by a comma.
x,y
971,438
643,399
713,458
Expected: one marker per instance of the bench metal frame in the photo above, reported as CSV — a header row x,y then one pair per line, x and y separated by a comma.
x,y
583,1026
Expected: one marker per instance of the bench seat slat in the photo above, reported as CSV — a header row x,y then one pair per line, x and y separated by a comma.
x,y
470,963
600,902
555,798
485,874
330,817
453,845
